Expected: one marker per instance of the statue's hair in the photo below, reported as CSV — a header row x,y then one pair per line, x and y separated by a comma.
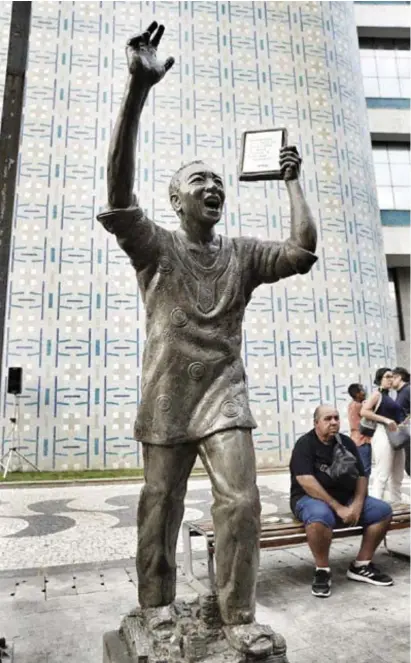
x,y
174,186
317,411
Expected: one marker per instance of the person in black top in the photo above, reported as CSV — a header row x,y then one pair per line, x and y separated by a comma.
x,y
323,503
401,384
388,471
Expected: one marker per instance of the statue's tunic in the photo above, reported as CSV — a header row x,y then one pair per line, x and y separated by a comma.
x,y
194,381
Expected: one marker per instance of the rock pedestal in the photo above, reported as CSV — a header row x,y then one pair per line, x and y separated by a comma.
x,y
196,637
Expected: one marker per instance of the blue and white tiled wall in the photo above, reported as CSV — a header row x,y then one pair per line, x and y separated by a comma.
x,y
75,321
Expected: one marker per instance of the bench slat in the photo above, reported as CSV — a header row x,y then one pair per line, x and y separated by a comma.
x,y
287,526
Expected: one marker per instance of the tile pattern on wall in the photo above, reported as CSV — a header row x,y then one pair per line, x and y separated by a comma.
x,y
75,320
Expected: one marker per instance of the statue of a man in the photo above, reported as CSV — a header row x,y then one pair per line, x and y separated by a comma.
x,y
196,285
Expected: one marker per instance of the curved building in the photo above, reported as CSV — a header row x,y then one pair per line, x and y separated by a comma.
x,y
75,321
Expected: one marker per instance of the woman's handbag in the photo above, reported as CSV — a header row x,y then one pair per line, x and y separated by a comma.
x,y
368,427
401,437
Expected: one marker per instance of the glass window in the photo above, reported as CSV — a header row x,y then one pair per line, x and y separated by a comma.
x,y
403,67
369,66
371,87
405,87
386,66
390,87
385,197
392,174
399,154
380,154
401,197
388,61
400,174
382,174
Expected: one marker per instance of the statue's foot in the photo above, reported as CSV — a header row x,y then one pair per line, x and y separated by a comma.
x,y
160,621
252,639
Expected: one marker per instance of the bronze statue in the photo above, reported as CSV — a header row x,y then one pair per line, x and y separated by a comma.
x,y
196,285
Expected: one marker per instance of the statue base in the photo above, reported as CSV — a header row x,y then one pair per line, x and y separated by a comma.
x,y
197,636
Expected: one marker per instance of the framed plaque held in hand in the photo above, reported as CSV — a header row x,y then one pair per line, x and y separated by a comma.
x,y
260,154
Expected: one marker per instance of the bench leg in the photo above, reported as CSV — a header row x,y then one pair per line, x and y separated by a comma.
x,y
196,584
210,565
188,553
396,553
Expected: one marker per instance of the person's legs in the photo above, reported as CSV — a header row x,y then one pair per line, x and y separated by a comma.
x,y
319,520
365,453
383,456
397,476
375,518
159,516
229,459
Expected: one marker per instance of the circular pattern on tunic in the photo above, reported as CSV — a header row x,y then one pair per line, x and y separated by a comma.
x,y
178,317
165,265
230,409
164,403
196,370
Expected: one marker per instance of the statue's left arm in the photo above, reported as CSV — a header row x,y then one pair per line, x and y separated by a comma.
x,y
303,230
267,262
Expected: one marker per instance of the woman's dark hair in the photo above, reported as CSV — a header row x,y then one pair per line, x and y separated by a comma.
x,y
380,374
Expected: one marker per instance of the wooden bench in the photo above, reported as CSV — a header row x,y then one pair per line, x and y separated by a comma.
x,y
277,531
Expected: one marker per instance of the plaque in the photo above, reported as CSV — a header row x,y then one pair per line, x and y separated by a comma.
x,y
260,154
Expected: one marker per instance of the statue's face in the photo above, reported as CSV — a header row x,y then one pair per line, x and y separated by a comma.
x,y
201,196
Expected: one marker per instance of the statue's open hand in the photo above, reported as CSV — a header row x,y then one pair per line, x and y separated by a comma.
x,y
290,163
142,55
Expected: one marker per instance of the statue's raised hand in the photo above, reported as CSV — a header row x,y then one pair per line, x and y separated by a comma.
x,y
142,55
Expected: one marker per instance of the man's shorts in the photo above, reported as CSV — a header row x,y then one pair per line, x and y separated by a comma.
x,y
310,510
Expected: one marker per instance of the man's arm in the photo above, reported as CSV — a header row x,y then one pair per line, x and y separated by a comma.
x,y
314,489
144,72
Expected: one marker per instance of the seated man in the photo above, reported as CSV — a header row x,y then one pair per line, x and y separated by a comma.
x,y
323,503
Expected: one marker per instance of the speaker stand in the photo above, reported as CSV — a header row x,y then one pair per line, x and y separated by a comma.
x,y
14,437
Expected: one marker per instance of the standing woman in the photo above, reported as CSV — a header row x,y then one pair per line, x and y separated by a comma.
x,y
389,463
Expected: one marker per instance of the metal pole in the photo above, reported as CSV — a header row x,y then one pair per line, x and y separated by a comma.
x,y
9,142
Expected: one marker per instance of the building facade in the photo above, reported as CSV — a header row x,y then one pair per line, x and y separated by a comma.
x,y
75,320
384,39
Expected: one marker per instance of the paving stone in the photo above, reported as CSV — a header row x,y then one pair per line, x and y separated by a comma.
x,y
60,585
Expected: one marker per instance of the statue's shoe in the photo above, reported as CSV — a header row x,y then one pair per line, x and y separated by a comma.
x,y
252,639
160,621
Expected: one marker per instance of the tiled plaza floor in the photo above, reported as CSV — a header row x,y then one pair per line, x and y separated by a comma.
x,y
43,527
67,576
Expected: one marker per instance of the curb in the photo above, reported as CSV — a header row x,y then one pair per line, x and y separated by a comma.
x,y
110,480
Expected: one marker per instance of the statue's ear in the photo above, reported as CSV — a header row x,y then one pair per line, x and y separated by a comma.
x,y
176,203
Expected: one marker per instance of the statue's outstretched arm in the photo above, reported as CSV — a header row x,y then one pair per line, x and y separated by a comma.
x,y
144,72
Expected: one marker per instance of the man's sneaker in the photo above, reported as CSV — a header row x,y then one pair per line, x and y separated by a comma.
x,y
321,583
369,573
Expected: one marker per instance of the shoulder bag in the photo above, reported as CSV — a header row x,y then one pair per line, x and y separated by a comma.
x,y
344,463
401,437
368,427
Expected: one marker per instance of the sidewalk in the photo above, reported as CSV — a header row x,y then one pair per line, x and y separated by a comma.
x,y
64,619
67,576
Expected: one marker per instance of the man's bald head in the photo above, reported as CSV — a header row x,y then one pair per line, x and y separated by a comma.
x,y
323,407
326,421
